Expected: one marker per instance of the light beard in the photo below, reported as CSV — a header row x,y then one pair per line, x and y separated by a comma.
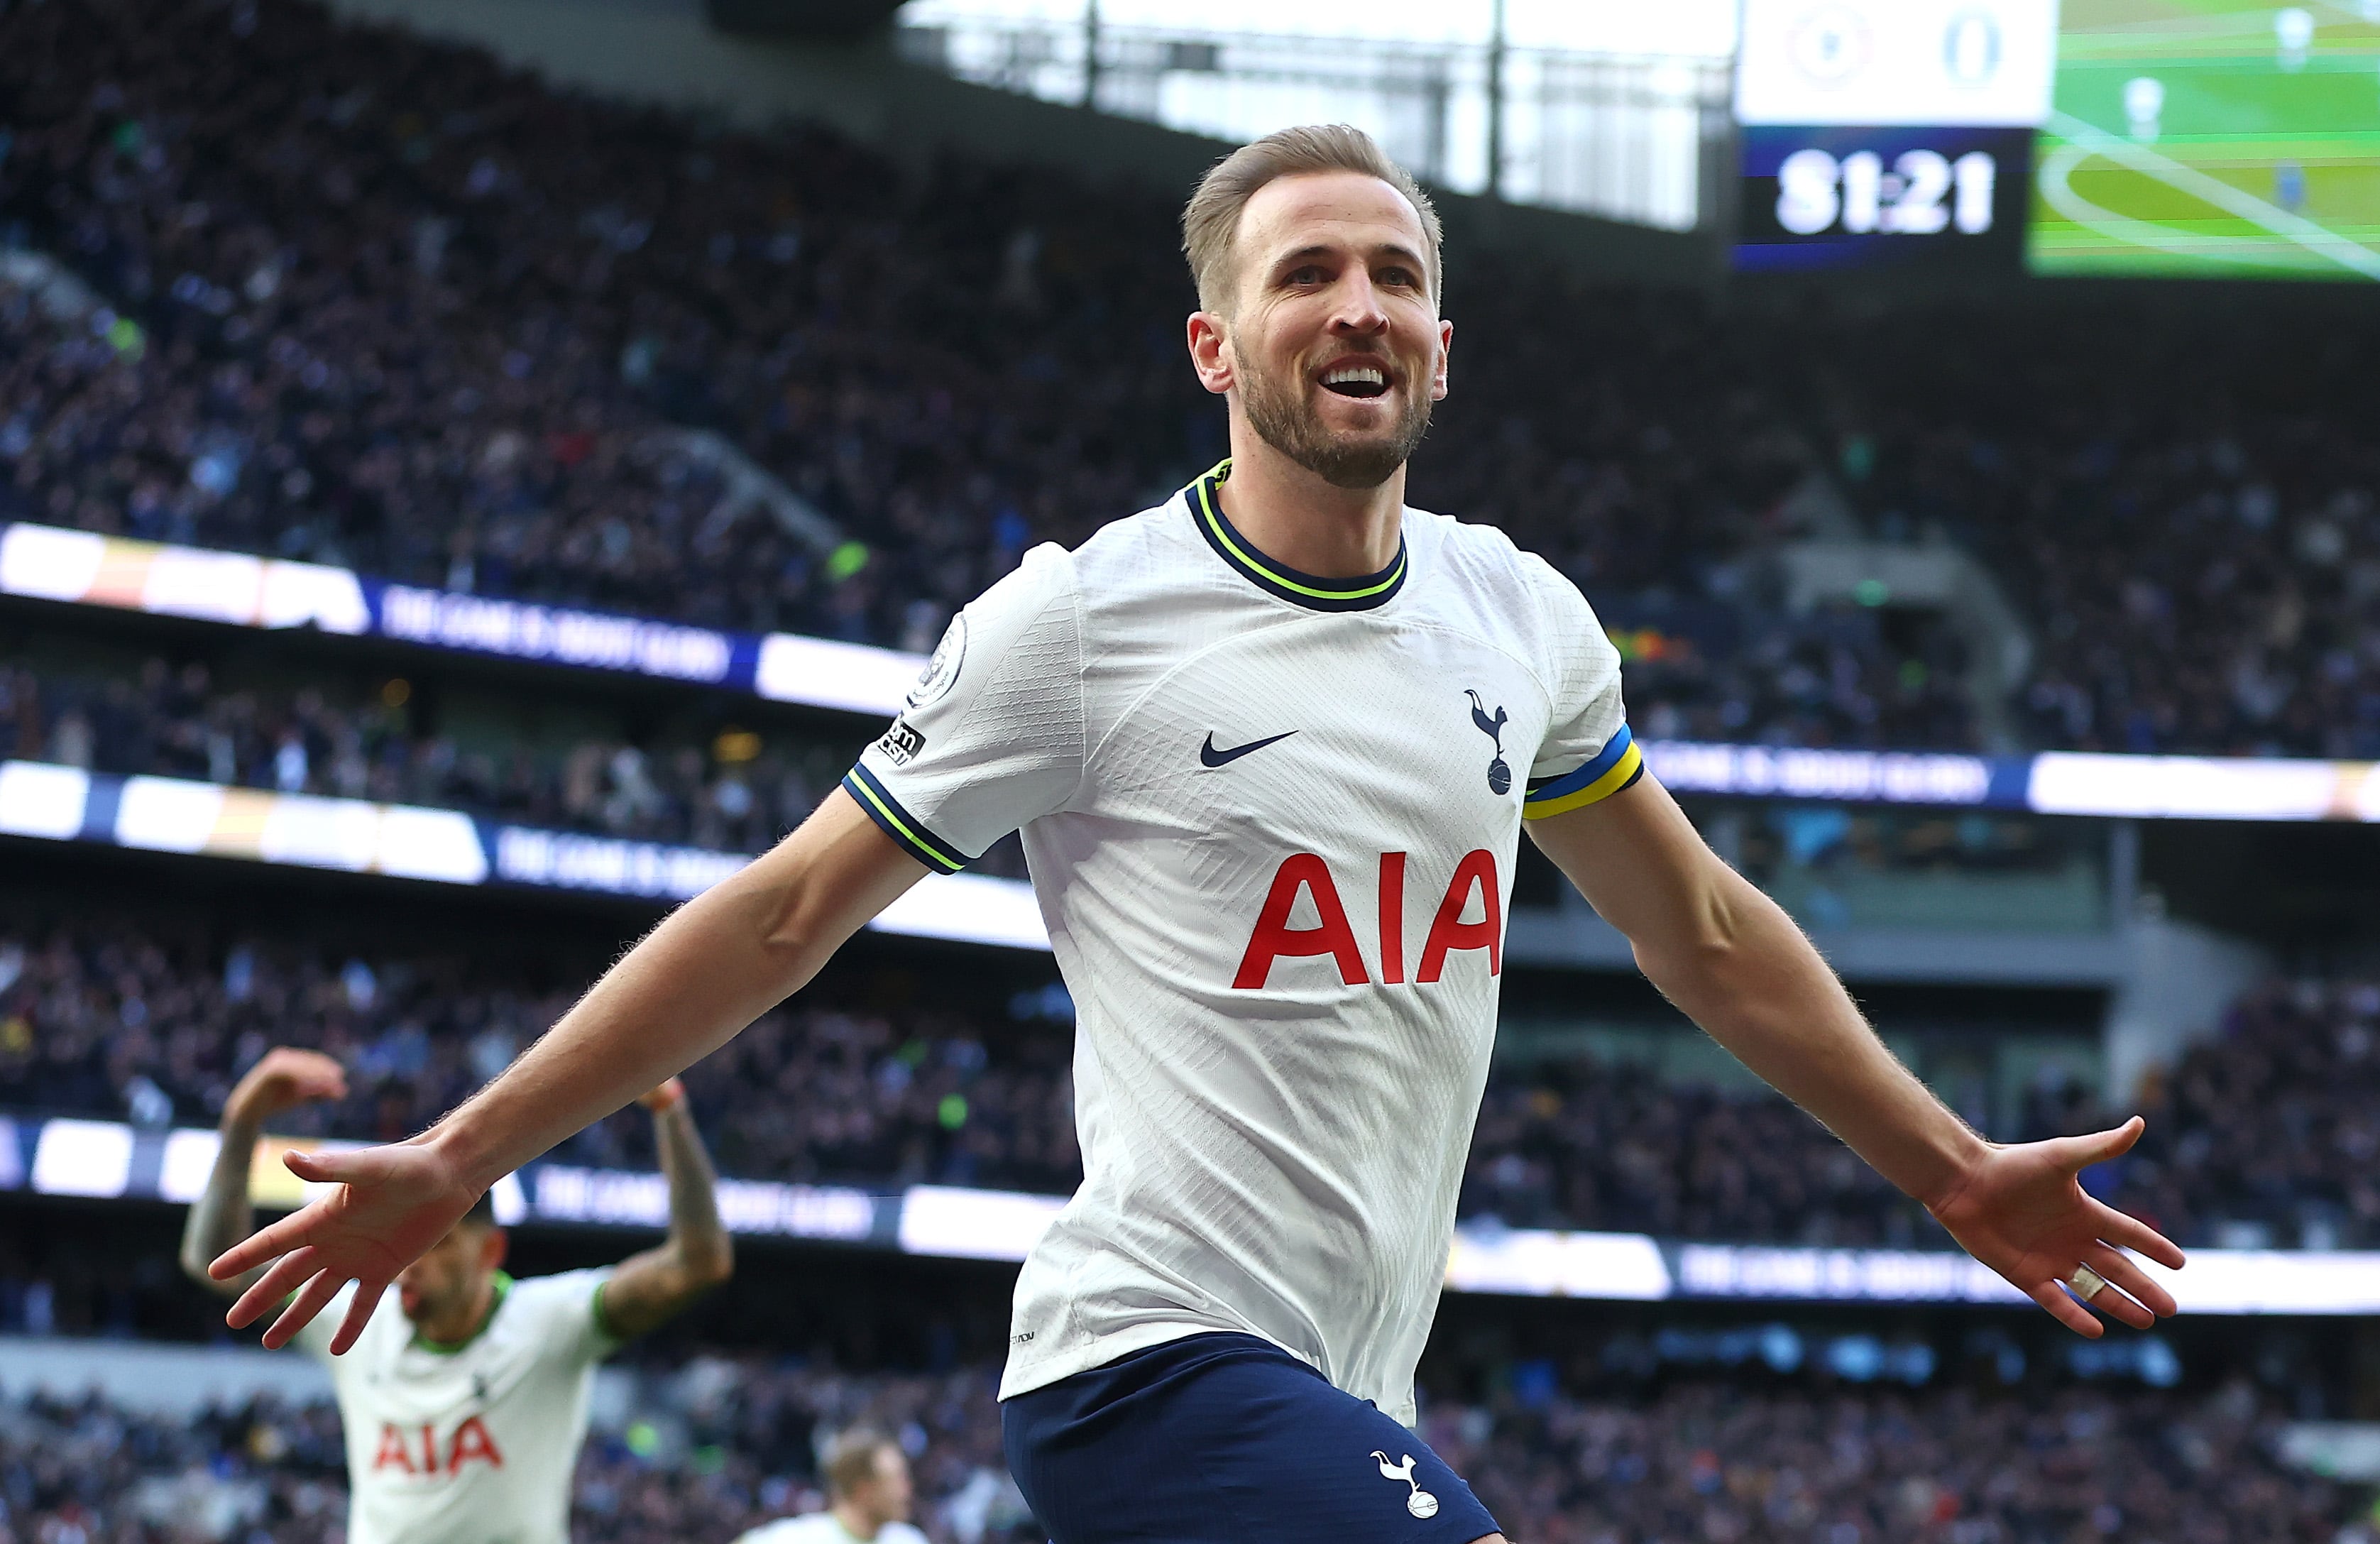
x,y
1283,420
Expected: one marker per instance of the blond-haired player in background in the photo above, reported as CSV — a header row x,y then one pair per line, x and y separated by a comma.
x,y
466,1398
867,1494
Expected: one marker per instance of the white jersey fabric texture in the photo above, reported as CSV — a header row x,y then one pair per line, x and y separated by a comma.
x,y
1271,821
824,1528
474,1444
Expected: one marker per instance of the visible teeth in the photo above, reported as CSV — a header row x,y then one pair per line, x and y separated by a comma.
x,y
1356,375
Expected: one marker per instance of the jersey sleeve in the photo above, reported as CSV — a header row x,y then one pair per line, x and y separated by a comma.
x,y
994,734
567,1314
1589,754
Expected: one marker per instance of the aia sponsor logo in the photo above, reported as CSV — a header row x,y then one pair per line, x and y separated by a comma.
x,y
418,1452
1304,874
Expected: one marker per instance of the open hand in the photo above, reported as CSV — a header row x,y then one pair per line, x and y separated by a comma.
x,y
2022,1210
283,1078
392,1204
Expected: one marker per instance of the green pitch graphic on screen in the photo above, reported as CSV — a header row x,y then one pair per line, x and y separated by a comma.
x,y
2212,138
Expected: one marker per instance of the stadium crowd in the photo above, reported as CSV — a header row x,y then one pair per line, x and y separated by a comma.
x,y
501,756
738,792
134,1027
2267,1126
375,300
2175,493
2272,1126
1823,1462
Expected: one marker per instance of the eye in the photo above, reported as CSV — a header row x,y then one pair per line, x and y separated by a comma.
x,y
1397,274
1308,274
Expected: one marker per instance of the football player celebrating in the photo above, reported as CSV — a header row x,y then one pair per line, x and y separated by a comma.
x,y
465,1397
1272,745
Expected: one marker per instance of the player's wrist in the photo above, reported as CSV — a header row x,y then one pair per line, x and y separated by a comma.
x,y
1956,1173
244,1114
470,1160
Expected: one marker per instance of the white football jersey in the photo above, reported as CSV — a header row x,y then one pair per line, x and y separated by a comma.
x,y
474,1444
824,1528
1271,821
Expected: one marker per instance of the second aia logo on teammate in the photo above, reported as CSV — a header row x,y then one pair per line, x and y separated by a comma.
x,y
469,1444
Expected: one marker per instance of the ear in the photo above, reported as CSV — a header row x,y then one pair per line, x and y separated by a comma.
x,y
1445,346
494,1248
1210,352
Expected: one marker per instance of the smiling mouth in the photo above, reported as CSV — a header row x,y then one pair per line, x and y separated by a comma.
x,y
1361,382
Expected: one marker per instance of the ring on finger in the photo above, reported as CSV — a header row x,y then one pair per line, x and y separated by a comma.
x,y
2087,1283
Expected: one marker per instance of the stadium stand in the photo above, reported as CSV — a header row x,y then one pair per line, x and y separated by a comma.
x,y
735,791
379,313
1695,1459
2266,1133
464,363
2170,491
2266,1126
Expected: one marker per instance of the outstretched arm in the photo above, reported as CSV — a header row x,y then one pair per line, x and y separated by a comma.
x,y
716,963
650,1288
1732,959
221,1217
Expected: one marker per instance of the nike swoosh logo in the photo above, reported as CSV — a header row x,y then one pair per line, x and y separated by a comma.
x,y
1209,757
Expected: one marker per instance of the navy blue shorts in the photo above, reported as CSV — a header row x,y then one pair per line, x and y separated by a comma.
x,y
1227,1439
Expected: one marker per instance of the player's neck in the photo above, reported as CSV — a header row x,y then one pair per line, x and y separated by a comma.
x,y
458,1327
1300,521
858,1523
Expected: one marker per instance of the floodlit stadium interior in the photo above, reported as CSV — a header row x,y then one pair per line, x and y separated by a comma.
x,y
475,476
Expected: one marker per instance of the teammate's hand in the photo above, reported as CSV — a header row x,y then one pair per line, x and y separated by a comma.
x,y
2022,1210
282,1078
392,1204
667,1095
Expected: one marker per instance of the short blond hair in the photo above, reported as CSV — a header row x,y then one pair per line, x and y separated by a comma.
x,y
1211,222
850,1460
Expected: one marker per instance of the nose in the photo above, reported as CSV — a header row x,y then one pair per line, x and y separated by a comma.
x,y
1357,311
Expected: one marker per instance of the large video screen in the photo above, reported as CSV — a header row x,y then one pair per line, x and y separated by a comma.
x,y
1889,132
2211,138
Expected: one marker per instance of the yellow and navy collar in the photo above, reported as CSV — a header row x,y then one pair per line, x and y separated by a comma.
x,y
1275,578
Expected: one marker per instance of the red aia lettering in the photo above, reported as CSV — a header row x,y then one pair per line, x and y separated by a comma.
x,y
392,1453
1392,918
1448,930
471,1440
1274,937
1304,872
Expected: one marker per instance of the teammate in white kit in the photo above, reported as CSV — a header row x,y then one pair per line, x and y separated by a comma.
x,y
1272,745
867,1493
465,1398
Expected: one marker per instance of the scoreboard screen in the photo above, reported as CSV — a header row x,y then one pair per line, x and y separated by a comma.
x,y
1836,197
1889,131
2211,138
